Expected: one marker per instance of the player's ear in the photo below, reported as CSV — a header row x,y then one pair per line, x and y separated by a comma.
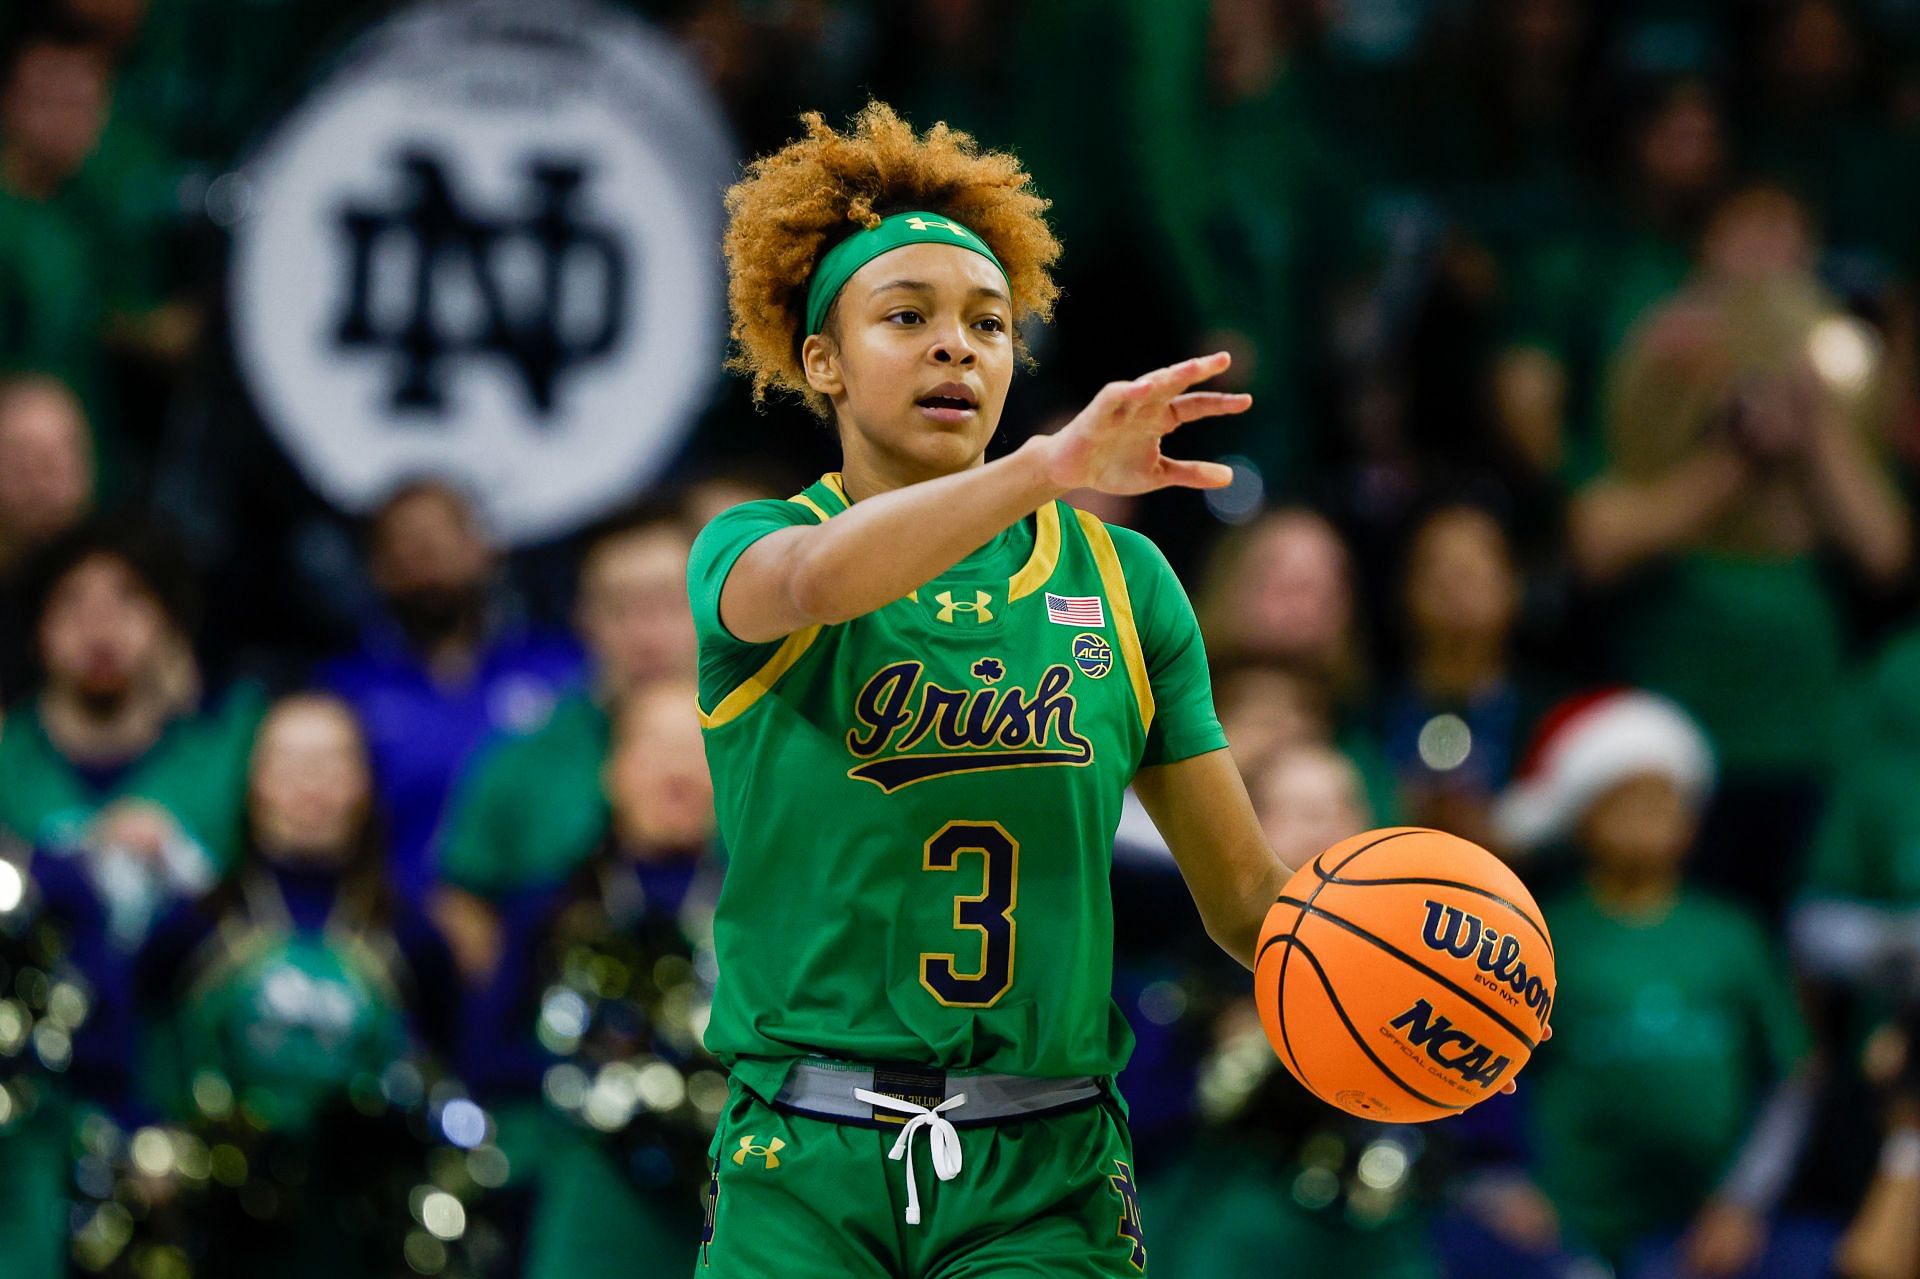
x,y
820,361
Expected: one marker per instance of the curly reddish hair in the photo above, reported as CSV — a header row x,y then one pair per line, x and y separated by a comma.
x,y
799,201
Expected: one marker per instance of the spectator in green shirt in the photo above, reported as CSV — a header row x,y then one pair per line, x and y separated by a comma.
x,y
1867,851
202,76
1855,927
85,212
1669,1113
1820,121
531,808
1253,200
1573,295
107,761
1747,450
54,98
1856,924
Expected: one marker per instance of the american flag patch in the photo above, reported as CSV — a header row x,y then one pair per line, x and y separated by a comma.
x,y
1076,610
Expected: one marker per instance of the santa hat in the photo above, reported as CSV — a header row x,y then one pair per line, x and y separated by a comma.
x,y
1587,745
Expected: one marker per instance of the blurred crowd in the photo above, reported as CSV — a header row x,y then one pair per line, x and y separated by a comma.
x,y
355,872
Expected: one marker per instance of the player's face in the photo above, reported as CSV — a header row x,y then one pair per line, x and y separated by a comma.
x,y
918,362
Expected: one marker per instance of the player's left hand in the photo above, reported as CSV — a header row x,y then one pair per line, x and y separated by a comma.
x,y
1513,1085
1113,444
1724,1240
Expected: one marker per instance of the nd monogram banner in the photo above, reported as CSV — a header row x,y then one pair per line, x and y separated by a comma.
x,y
485,248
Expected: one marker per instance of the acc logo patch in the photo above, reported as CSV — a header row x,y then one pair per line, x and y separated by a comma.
x,y
1092,654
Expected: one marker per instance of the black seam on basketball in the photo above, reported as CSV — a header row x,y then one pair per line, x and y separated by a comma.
x,y
1280,994
1384,839
1280,978
1325,878
1530,921
1421,967
1354,1033
1280,1012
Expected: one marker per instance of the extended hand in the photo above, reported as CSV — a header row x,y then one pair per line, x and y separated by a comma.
x,y
1113,444
1513,1085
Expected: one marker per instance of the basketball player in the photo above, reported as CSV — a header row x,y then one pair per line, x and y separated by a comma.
x,y
925,684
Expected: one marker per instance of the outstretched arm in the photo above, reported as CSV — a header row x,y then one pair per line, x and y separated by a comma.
x,y
1201,808
893,543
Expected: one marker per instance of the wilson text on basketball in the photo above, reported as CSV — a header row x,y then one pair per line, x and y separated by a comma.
x,y
1496,957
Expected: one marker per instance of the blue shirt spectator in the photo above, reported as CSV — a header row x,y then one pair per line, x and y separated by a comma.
x,y
439,673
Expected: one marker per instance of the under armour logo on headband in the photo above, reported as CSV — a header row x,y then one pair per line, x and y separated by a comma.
x,y
922,224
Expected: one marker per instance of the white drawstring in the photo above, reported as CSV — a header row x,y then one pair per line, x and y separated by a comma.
x,y
942,1139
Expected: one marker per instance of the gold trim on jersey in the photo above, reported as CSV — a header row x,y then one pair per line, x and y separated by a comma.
x,y
1115,581
1046,554
811,505
761,682
1041,561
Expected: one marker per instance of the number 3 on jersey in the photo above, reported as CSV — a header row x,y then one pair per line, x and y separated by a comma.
x,y
989,912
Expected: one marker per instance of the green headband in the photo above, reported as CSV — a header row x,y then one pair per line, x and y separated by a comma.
x,y
839,263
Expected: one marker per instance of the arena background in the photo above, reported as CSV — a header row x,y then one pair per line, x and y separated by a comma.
x,y
378,349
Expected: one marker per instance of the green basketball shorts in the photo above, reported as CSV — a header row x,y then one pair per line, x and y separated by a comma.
x,y
801,1197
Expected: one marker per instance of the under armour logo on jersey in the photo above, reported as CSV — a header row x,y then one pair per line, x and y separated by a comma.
x,y
769,1152
977,606
1130,1215
923,224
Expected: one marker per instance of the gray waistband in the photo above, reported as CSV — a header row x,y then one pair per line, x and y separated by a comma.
x,y
825,1091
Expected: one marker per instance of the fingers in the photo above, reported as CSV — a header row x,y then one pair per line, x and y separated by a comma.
x,y
1196,475
1144,395
1195,405
1176,378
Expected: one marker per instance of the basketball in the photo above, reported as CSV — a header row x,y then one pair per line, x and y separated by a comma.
x,y
1404,975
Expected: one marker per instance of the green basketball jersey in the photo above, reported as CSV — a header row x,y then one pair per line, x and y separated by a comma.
x,y
919,804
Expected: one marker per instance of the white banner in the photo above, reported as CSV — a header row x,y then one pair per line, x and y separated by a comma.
x,y
488,248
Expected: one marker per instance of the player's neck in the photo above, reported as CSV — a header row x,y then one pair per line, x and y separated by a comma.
x,y
866,474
